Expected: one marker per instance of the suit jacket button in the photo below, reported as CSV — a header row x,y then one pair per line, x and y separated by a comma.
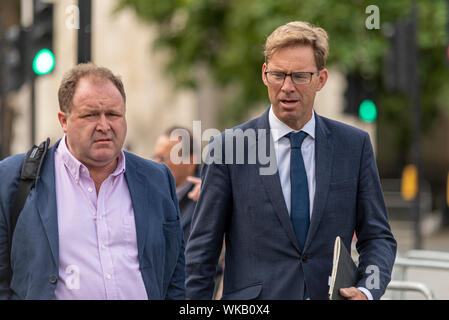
x,y
304,258
53,279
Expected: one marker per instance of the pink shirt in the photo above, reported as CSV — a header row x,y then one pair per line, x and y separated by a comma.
x,y
97,234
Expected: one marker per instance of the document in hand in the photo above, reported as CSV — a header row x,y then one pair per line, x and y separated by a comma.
x,y
344,271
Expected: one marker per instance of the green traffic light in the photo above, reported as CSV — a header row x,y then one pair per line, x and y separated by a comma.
x,y
43,62
368,111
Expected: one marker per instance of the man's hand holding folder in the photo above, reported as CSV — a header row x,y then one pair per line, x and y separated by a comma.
x,y
352,293
344,275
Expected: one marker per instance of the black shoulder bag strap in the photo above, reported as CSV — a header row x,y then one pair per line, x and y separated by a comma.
x,y
30,171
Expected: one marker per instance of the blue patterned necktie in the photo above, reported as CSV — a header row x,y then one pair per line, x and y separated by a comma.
x,y
299,212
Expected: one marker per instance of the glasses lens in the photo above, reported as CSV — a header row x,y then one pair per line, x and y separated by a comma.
x,y
301,78
275,77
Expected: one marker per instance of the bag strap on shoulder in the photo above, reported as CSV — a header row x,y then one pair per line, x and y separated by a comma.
x,y
30,171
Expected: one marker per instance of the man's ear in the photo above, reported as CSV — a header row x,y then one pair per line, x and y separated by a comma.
x,y
322,79
62,116
264,77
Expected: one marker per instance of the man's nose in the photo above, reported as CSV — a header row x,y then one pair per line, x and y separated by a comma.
x,y
288,84
103,123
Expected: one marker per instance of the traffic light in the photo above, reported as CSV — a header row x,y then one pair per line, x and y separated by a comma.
x,y
14,55
368,110
360,97
409,182
44,62
399,59
43,59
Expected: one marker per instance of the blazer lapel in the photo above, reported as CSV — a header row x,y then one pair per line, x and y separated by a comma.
x,y
272,182
138,191
46,201
324,153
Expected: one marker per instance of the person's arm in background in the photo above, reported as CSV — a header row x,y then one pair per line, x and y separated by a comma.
x,y
195,193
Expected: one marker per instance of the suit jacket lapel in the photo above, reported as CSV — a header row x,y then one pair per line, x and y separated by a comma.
x,y
138,192
46,201
272,183
324,153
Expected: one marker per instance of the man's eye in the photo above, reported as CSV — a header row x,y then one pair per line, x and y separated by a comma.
x,y
300,76
278,75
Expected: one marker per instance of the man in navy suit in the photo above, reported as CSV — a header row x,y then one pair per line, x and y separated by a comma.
x,y
100,223
280,225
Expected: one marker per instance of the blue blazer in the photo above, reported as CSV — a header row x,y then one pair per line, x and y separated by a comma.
x,y
34,256
263,260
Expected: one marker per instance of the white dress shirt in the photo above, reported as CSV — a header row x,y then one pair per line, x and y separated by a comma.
x,y
282,149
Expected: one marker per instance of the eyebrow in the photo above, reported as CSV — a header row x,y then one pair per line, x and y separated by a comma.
x,y
91,108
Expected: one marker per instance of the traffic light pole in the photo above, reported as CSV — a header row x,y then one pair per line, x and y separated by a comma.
x,y
415,96
33,110
31,78
85,31
2,93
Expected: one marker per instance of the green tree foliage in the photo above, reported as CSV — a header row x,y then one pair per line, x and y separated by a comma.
x,y
228,37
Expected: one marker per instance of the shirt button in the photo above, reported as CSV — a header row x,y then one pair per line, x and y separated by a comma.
x,y
90,189
83,169
103,246
53,279
304,258
100,217
108,276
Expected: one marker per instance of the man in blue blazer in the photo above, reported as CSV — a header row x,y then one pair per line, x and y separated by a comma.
x,y
100,223
280,225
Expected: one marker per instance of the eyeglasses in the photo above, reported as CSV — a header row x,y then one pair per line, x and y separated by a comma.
x,y
277,77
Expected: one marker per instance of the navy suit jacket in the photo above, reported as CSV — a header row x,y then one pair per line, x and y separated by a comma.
x,y
263,260
34,257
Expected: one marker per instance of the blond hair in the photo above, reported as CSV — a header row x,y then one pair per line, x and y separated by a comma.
x,y
299,33
73,76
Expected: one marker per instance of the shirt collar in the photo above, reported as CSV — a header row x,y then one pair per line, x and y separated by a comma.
x,y
280,129
76,168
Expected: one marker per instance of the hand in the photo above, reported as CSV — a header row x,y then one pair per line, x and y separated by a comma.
x,y
353,293
195,193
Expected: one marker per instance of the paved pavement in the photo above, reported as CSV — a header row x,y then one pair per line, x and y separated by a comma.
x,y
435,238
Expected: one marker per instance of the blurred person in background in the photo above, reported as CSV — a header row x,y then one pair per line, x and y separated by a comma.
x,y
185,171
100,223
280,228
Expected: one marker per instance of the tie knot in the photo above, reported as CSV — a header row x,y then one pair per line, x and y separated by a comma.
x,y
296,138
